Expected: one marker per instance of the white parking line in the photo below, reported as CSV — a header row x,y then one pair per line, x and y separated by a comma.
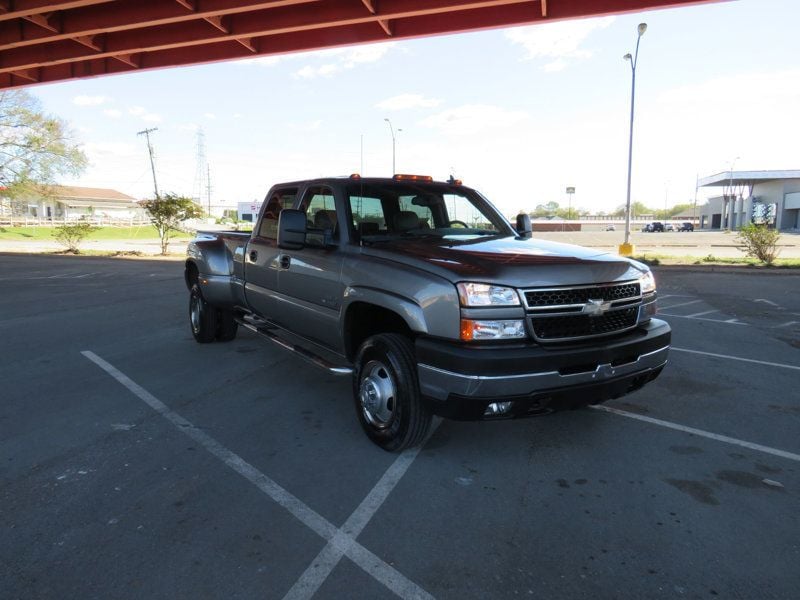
x,y
700,314
324,563
728,357
706,434
788,324
680,304
729,321
339,539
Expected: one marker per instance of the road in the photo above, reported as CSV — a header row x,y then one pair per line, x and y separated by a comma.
x,y
135,463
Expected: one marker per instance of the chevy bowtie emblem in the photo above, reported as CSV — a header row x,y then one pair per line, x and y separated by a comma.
x,y
595,308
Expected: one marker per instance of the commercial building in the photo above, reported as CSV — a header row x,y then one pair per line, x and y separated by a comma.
x,y
68,203
770,197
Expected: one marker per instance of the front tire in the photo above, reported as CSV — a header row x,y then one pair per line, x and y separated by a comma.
x,y
202,317
386,393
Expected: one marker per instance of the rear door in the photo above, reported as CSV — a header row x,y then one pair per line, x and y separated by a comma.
x,y
310,279
261,254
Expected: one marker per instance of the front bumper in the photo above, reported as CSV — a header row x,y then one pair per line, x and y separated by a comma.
x,y
460,381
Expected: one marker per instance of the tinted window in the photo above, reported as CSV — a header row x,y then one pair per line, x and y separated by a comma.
x,y
279,200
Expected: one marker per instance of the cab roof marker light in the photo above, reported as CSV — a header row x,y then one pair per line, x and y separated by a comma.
x,y
403,177
355,176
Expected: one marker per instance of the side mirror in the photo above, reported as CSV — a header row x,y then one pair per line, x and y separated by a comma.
x,y
291,229
524,228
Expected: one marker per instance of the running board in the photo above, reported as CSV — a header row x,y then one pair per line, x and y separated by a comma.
x,y
301,352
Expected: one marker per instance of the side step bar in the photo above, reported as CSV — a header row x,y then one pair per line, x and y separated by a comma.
x,y
301,352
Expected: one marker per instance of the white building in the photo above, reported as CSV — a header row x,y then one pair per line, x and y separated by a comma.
x,y
771,197
68,203
248,211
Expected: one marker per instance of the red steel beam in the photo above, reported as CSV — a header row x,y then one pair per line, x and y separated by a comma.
x,y
330,36
25,8
124,15
292,19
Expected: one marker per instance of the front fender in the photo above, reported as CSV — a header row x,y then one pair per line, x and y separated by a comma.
x,y
408,310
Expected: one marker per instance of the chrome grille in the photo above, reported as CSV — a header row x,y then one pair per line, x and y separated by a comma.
x,y
560,314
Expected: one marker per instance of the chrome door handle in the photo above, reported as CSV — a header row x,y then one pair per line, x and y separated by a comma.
x,y
253,256
285,261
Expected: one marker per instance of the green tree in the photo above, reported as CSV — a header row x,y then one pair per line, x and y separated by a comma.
x,y
35,148
168,212
71,235
637,208
759,241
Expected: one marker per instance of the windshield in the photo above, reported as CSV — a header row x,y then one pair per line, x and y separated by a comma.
x,y
392,209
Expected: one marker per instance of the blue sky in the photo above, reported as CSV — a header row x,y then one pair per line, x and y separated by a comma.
x,y
516,113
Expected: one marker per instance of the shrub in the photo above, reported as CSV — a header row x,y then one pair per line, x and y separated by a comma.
x,y
759,241
71,235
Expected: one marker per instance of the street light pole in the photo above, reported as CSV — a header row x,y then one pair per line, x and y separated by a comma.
x,y
394,143
732,205
626,249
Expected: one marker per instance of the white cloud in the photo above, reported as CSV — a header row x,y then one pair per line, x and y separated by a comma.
x,y
112,113
89,100
344,59
405,101
558,41
144,115
306,126
210,116
473,118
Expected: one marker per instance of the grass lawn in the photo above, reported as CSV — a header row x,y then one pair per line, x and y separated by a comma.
x,y
661,259
145,232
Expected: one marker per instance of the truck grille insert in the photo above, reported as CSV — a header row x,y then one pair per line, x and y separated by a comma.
x,y
572,313
581,295
578,326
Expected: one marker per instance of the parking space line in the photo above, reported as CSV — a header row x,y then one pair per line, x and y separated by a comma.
x,y
728,357
324,563
700,314
338,538
700,432
680,304
728,322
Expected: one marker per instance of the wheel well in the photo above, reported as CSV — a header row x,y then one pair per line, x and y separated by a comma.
x,y
191,274
364,320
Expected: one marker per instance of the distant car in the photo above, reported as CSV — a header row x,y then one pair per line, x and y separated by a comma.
x,y
610,228
686,227
669,227
655,226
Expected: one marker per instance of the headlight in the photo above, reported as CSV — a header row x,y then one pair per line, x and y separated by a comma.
x,y
492,330
647,283
481,294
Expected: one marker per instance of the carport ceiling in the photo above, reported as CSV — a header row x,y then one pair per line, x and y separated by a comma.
x,y
42,42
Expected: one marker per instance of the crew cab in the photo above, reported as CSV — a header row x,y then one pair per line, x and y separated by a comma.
x,y
429,298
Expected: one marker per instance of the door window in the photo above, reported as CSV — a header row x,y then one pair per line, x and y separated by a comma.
x,y
320,210
280,199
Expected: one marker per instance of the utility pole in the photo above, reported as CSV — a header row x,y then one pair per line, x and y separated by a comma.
x,y
208,187
146,133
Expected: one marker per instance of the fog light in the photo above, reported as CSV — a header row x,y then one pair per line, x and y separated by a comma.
x,y
497,408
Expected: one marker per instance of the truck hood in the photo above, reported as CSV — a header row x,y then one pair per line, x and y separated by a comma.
x,y
507,260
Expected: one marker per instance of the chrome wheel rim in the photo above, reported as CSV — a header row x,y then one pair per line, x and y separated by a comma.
x,y
194,313
377,394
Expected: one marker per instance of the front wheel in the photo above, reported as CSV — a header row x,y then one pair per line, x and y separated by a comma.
x,y
202,317
386,393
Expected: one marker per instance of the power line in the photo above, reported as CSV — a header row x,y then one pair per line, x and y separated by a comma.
x,y
146,133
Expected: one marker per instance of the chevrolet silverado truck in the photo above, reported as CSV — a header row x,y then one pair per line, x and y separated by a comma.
x,y
432,302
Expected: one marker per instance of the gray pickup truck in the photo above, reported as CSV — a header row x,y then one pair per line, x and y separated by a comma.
x,y
431,301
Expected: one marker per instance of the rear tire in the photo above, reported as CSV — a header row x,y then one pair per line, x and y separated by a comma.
x,y
386,393
226,326
202,317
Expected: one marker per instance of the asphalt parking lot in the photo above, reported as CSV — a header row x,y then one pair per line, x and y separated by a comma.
x,y
135,463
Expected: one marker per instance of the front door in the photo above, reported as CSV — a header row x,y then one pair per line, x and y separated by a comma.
x,y
261,255
309,279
